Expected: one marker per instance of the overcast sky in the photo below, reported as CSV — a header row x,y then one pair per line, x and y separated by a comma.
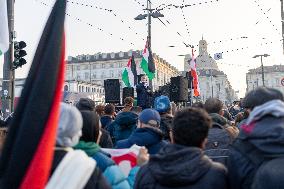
x,y
218,21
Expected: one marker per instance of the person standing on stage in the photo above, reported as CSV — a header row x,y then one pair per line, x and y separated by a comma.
x,y
144,93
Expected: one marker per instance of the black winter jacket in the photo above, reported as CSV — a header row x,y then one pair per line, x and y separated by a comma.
x,y
177,166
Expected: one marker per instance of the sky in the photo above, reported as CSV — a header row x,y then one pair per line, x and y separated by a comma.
x,y
222,23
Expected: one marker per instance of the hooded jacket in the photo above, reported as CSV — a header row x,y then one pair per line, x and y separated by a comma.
x,y
151,138
123,126
110,170
177,166
264,131
166,125
106,120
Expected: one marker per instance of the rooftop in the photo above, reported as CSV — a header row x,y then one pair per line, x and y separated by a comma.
x,y
113,56
267,69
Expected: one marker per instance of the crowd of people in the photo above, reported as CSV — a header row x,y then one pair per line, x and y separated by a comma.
x,y
204,146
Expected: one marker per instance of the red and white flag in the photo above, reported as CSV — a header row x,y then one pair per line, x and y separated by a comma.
x,y
194,75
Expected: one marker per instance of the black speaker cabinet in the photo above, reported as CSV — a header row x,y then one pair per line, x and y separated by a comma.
x,y
179,89
112,91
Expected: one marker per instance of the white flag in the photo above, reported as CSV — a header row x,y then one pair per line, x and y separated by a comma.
x,y
4,31
218,56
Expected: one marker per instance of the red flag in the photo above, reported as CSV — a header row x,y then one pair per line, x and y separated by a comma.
x,y
194,75
28,151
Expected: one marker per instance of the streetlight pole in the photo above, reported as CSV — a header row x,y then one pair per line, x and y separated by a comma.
x,y
282,20
262,68
8,72
151,13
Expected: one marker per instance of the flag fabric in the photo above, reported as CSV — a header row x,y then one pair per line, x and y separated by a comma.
x,y
4,31
28,150
194,75
147,63
129,75
218,56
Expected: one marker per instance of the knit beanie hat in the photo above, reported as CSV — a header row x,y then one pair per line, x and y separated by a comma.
x,y
70,126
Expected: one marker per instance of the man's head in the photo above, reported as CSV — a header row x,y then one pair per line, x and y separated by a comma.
x,y
162,104
91,127
143,78
109,110
190,127
128,102
149,118
260,96
100,109
214,105
69,127
85,104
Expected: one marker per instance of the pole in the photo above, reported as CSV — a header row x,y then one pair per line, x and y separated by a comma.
x,y
262,71
8,74
212,94
282,20
149,34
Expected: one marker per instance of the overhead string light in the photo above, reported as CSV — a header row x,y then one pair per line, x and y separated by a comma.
x,y
86,23
171,6
107,10
185,22
266,15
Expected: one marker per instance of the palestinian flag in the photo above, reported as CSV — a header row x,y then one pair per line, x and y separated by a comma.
x,y
28,151
195,82
129,75
4,31
147,63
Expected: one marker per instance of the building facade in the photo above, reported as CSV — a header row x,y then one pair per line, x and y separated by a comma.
x,y
74,90
212,81
101,66
273,77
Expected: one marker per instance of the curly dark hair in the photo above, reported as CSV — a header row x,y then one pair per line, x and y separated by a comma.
x,y
191,126
109,109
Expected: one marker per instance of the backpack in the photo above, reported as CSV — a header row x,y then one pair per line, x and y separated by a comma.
x,y
258,160
217,147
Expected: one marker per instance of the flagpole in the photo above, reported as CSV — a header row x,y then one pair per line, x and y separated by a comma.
x,y
8,73
149,35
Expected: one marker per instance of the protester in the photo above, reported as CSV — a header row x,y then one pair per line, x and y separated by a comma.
x,y
108,116
235,109
245,117
89,105
238,118
86,104
163,105
198,105
128,104
260,141
221,135
89,144
183,164
147,134
173,108
136,109
68,134
144,93
100,110
123,126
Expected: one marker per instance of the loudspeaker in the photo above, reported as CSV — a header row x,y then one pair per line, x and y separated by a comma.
x,y
112,91
127,92
179,89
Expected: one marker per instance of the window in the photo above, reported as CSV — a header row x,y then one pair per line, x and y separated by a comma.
x,y
78,67
111,74
112,55
111,65
94,66
103,65
87,75
86,67
94,76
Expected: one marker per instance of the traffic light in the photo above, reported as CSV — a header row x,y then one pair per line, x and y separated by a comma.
x,y
19,53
